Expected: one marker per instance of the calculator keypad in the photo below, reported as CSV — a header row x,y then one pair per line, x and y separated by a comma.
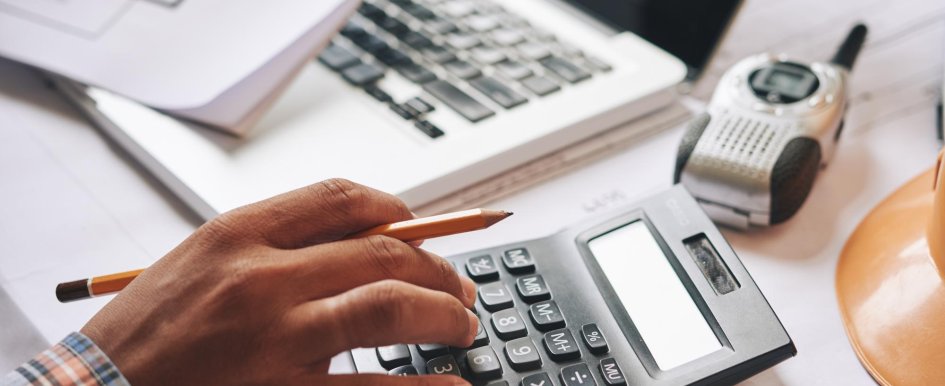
x,y
514,299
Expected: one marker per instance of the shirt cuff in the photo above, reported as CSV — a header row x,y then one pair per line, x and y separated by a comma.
x,y
75,360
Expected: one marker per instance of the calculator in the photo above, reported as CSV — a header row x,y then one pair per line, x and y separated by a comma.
x,y
648,295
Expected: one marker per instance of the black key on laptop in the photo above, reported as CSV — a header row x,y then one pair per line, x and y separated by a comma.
x,y
462,69
394,26
393,57
522,354
393,356
362,74
378,94
498,92
429,129
418,106
338,58
418,11
371,44
458,100
353,31
565,69
416,40
415,73
513,70
371,11
483,363
438,54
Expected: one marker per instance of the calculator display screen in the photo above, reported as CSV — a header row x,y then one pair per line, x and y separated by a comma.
x,y
660,307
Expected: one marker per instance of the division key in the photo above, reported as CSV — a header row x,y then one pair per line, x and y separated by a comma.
x,y
458,100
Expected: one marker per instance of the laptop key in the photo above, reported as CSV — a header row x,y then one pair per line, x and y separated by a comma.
x,y
353,31
362,74
371,44
416,73
597,64
337,58
565,69
541,86
487,55
463,41
441,26
377,93
498,92
482,23
416,40
462,69
443,365
418,106
438,54
393,57
371,11
533,51
394,26
507,36
429,129
393,356
418,11
401,111
513,70
458,100
483,363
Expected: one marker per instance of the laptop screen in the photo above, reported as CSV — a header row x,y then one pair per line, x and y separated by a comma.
x,y
688,29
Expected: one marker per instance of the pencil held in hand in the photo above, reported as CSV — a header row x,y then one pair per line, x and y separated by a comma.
x,y
407,231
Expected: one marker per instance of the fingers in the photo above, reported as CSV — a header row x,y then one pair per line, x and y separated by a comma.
x,y
385,380
329,269
380,314
325,211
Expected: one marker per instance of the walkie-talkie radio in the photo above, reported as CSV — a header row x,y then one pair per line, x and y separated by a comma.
x,y
772,123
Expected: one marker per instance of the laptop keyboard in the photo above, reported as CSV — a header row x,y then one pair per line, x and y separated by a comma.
x,y
460,52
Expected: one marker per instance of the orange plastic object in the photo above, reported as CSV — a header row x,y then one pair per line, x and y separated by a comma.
x,y
891,285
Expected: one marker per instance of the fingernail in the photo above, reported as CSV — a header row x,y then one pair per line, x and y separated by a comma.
x,y
473,326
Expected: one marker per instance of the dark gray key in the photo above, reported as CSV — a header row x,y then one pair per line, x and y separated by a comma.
x,y
418,11
337,58
443,365
401,111
415,73
371,43
404,371
513,70
362,74
418,106
438,54
561,345
393,356
610,371
594,339
540,379
522,354
393,57
353,31
577,375
483,363
457,100
565,69
371,11
482,268
532,288
379,94
508,324
429,129
432,350
416,40
495,297
441,26
394,26
462,69
546,315
518,261
498,383
541,86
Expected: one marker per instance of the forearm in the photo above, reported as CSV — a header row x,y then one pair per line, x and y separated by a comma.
x,y
75,360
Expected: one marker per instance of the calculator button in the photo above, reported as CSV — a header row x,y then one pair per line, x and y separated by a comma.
x,y
483,363
532,288
498,383
546,315
518,261
610,371
482,338
495,296
594,339
432,350
393,356
482,268
561,346
404,371
522,354
540,379
443,365
508,324
577,375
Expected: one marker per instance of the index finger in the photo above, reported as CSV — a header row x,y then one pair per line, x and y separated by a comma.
x,y
318,213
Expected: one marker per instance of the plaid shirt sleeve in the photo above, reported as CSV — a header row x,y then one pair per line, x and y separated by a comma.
x,y
74,361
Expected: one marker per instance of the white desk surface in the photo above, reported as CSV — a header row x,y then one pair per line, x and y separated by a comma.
x,y
70,202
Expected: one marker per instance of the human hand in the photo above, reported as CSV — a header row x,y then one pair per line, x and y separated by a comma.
x,y
268,293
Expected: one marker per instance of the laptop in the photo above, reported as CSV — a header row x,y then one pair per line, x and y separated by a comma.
x,y
418,98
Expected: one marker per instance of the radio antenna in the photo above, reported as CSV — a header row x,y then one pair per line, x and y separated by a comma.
x,y
850,48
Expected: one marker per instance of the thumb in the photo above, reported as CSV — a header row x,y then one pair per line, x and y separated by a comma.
x,y
383,380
